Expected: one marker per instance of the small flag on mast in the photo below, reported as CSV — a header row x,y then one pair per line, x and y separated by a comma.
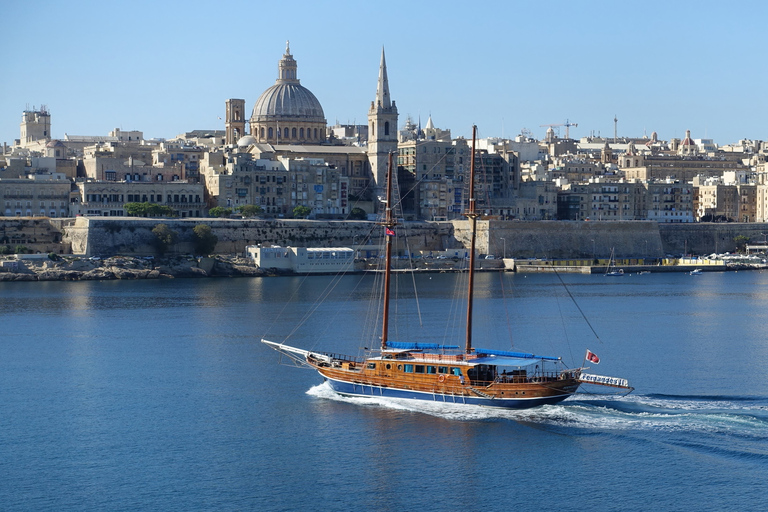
x,y
390,232
592,358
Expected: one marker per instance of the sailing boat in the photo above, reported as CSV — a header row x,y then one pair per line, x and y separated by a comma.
x,y
446,373
611,270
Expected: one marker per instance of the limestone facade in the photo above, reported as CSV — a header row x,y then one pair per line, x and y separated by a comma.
x,y
108,198
36,196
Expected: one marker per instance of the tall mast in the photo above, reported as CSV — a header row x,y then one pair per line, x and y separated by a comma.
x,y
471,214
389,223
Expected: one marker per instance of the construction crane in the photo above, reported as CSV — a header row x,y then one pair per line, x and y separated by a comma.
x,y
567,125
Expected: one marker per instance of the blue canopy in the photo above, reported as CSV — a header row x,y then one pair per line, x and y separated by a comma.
x,y
419,346
504,361
504,353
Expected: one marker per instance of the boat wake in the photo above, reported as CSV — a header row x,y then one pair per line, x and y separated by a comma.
x,y
745,417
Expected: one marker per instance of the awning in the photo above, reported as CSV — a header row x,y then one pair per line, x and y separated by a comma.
x,y
504,361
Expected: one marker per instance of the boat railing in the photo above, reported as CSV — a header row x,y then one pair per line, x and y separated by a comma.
x,y
518,379
344,358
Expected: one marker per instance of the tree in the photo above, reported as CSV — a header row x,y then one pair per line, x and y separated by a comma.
x,y
301,212
148,210
358,214
205,240
249,210
220,211
741,242
164,238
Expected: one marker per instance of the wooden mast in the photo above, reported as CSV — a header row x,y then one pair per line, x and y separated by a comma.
x,y
471,214
389,224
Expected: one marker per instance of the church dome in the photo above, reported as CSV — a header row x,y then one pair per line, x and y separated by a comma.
x,y
246,141
288,112
287,100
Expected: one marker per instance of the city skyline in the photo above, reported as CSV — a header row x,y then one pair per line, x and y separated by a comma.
x,y
168,68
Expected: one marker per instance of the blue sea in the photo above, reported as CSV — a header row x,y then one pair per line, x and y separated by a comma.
x,y
158,395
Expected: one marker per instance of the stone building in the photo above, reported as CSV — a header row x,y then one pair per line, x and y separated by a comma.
x,y
435,177
278,185
38,195
108,198
723,200
602,200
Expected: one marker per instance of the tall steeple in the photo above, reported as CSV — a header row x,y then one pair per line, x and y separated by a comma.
x,y
382,128
382,90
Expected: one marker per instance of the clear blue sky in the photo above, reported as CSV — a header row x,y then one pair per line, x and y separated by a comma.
x,y
166,67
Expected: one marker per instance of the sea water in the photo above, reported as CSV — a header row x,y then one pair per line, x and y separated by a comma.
x,y
158,395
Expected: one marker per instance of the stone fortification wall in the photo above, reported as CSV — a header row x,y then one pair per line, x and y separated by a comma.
x,y
132,236
707,238
563,239
38,234
513,239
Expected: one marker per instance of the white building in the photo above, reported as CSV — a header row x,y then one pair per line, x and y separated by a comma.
x,y
303,260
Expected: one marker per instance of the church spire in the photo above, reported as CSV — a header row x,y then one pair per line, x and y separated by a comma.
x,y
382,90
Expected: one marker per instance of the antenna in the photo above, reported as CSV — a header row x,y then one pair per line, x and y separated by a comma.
x,y
615,128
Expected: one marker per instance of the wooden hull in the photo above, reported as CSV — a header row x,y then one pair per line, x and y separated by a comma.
x,y
449,389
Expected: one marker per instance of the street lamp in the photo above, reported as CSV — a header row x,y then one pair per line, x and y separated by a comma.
x,y
594,251
504,256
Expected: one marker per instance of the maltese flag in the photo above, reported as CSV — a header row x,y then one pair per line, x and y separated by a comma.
x,y
592,358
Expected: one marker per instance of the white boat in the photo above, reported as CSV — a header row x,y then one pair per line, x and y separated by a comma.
x,y
611,270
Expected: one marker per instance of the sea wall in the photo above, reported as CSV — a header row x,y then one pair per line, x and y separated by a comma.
x,y
132,236
129,236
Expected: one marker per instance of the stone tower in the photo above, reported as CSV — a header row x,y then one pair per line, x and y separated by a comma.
x,y
234,124
382,129
35,125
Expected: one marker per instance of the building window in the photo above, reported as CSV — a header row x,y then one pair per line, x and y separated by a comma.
x,y
293,133
285,133
271,134
386,128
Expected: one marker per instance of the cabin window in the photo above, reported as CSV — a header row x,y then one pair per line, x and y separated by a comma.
x,y
431,369
388,366
400,367
442,369
409,368
419,368
371,366
456,371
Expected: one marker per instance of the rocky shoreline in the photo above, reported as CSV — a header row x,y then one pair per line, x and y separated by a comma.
x,y
73,268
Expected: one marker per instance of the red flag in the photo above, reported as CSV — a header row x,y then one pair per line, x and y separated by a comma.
x,y
592,358
390,232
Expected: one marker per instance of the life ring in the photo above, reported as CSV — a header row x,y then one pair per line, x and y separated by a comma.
x,y
441,378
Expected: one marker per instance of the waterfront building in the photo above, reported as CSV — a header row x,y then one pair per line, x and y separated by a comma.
x,y
432,177
668,201
536,200
719,199
303,260
43,195
278,184
108,198
602,199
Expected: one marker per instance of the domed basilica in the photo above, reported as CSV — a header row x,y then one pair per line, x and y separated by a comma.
x,y
286,113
